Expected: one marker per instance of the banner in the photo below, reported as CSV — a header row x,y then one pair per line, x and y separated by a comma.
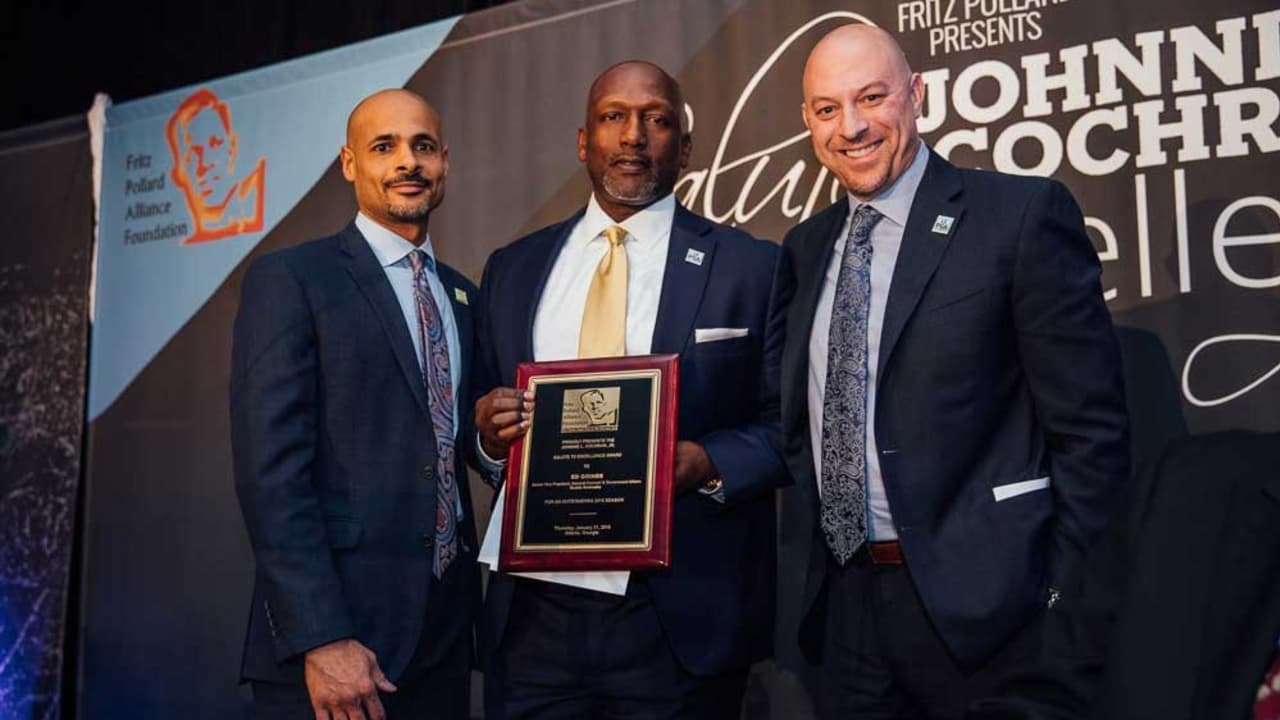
x,y
1162,118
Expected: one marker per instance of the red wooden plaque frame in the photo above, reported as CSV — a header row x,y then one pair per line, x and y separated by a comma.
x,y
658,553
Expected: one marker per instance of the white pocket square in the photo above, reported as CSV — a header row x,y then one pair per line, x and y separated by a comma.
x,y
703,335
1012,490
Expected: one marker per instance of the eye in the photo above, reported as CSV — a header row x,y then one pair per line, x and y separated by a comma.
x,y
425,147
872,99
381,147
824,110
659,120
611,116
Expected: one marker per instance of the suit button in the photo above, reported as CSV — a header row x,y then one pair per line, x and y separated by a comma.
x,y
428,472
428,540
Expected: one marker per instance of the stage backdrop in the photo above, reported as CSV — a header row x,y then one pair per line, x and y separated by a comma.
x,y
1162,117
46,185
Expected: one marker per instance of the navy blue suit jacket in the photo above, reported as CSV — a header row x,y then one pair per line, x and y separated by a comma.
x,y
716,600
997,365
335,457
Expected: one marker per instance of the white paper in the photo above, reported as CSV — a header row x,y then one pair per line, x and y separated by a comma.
x,y
613,582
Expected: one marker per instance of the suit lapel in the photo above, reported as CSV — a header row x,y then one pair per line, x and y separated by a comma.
x,y
460,301
369,276
921,250
683,281
812,256
531,285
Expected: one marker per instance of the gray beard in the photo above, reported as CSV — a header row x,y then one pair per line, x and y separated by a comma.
x,y
643,195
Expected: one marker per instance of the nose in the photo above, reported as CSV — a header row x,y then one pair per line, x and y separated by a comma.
x,y
406,158
852,124
201,167
634,133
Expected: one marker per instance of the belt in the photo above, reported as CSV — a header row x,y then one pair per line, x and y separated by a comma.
x,y
885,553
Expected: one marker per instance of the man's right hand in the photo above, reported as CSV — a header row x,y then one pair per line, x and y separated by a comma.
x,y
502,415
343,680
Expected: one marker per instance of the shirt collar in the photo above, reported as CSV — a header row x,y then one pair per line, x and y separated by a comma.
x,y
894,202
646,226
387,246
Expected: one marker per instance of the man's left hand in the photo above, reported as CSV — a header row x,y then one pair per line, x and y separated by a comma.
x,y
693,467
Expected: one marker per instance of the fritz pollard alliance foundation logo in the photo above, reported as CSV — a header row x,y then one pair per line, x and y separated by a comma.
x,y
205,150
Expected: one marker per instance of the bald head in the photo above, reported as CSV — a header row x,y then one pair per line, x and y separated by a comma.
x,y
858,43
392,101
861,101
397,160
632,73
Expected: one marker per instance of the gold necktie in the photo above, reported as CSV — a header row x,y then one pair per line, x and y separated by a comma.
x,y
604,320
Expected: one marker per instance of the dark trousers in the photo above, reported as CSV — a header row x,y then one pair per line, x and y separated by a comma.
x,y
883,658
436,684
570,654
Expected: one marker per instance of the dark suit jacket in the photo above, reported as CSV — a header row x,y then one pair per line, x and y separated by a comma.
x,y
997,365
717,598
335,458
1179,614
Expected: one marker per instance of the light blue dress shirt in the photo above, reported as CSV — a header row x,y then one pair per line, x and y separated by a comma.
x,y
392,252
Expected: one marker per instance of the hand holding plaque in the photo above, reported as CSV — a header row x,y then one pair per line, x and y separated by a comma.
x,y
589,485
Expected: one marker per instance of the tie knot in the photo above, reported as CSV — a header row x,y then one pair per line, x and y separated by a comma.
x,y
864,219
419,259
615,234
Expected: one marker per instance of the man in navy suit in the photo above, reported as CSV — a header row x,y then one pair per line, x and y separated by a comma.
x,y
349,409
679,642
952,405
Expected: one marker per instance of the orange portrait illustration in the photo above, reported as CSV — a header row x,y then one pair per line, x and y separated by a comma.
x,y
204,148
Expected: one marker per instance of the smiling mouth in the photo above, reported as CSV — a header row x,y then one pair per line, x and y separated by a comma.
x,y
863,151
408,187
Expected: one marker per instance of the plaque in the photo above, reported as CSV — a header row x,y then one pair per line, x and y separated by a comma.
x,y
589,486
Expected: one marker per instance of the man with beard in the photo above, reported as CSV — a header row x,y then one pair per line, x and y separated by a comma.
x,y
952,407
349,374
634,273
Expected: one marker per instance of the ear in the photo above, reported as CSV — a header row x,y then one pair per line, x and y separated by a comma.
x,y
444,159
582,145
686,147
348,163
917,94
804,116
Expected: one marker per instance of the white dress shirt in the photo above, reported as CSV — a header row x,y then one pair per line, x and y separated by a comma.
x,y
558,323
894,203
558,320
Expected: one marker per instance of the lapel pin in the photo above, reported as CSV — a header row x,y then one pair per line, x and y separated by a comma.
x,y
694,257
942,225
460,295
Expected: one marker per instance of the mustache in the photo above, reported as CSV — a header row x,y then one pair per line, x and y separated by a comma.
x,y
411,177
615,159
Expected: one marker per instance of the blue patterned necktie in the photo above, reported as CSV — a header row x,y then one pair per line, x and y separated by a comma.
x,y
435,370
844,399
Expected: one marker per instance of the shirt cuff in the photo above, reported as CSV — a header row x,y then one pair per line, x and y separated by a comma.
x,y
714,490
491,469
